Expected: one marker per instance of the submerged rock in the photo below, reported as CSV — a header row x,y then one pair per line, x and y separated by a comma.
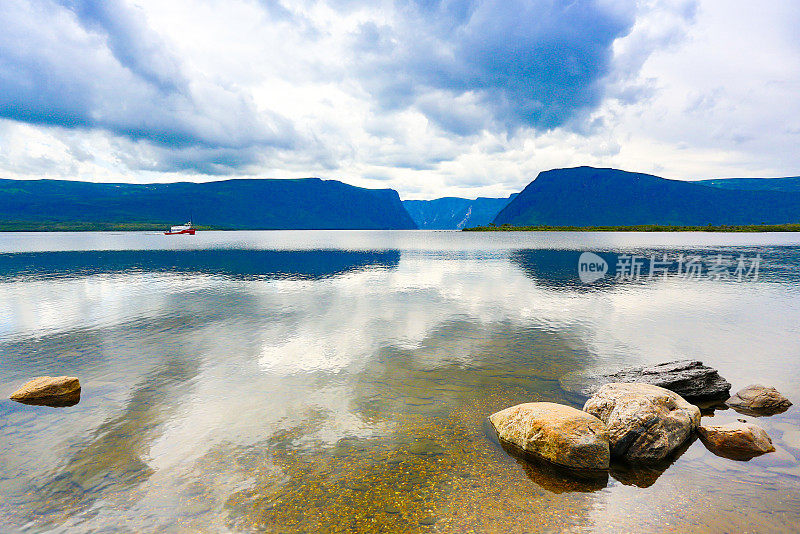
x,y
556,478
759,400
737,441
557,433
49,391
688,378
645,423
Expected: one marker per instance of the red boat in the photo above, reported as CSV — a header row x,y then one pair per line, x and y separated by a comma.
x,y
181,229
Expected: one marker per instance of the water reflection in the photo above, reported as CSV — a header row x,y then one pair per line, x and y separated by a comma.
x,y
559,269
346,389
244,264
111,461
63,401
552,477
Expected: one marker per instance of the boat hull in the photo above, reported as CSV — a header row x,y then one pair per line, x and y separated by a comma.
x,y
189,231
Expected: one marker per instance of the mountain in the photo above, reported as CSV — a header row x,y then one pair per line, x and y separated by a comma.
x,y
791,183
586,196
307,203
453,213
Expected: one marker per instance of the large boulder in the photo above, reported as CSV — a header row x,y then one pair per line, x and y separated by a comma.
x,y
688,378
738,441
645,423
557,433
759,400
49,391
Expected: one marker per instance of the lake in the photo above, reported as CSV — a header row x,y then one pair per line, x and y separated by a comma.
x,y
324,381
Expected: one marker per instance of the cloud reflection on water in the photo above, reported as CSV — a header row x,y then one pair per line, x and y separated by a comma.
x,y
372,354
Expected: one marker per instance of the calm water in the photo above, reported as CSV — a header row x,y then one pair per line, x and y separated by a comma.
x,y
340,381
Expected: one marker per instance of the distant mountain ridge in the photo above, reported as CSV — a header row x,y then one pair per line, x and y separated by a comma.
x,y
305,203
580,196
588,196
453,213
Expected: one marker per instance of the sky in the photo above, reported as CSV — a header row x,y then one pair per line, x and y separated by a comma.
x,y
429,97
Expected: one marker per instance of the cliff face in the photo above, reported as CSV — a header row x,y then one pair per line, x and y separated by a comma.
x,y
586,196
453,213
308,203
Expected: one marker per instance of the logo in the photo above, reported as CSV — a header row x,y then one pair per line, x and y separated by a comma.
x,y
591,267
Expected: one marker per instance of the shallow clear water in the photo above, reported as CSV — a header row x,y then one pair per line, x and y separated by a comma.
x,y
340,381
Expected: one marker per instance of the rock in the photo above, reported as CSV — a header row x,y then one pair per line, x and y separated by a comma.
x,y
759,400
557,433
425,447
49,391
645,423
688,378
737,441
555,478
644,475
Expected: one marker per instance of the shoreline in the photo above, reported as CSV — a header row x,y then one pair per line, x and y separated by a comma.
x,y
748,228
79,227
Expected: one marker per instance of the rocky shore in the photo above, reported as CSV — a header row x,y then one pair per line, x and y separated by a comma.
x,y
636,419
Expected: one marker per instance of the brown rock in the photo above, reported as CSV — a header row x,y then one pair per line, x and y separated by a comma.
x,y
555,478
759,400
737,441
554,432
645,423
49,390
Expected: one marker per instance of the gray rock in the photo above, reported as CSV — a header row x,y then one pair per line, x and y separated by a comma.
x,y
645,423
688,378
759,400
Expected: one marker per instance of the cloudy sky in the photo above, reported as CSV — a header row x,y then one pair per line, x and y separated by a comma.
x,y
429,97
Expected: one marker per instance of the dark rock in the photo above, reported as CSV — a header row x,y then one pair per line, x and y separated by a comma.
x,y
759,400
688,378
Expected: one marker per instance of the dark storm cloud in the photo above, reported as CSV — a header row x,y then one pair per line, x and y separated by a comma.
x,y
536,63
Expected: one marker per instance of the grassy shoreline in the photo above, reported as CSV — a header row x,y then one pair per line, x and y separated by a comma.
x,y
641,228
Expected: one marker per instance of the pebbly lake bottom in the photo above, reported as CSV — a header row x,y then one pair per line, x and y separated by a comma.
x,y
340,381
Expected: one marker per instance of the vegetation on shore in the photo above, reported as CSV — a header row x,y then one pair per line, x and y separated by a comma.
x,y
640,228
77,226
